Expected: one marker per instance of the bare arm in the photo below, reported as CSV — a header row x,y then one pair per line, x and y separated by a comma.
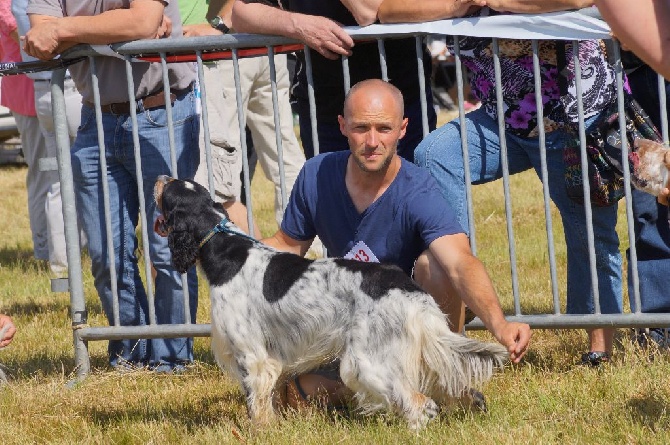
x,y
319,33
537,6
364,11
403,11
49,36
221,8
470,280
281,241
644,27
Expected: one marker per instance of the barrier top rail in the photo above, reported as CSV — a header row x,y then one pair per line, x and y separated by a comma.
x,y
584,24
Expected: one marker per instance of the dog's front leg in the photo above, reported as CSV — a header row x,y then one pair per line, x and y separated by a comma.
x,y
260,378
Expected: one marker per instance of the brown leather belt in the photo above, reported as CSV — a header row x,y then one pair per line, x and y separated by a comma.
x,y
148,102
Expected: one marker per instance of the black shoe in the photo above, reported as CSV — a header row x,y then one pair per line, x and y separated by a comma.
x,y
595,358
658,337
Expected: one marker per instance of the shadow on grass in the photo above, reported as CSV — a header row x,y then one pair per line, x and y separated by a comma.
x,y
649,411
35,307
21,260
191,415
39,364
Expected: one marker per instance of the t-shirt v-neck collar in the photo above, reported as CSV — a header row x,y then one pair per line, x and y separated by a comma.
x,y
375,203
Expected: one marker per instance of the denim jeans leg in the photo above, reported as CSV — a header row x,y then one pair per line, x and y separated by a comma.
x,y
155,156
606,241
441,153
88,179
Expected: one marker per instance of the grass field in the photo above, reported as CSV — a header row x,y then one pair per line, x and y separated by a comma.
x,y
545,399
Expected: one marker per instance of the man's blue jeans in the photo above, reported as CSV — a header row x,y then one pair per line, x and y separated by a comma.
x,y
124,204
441,153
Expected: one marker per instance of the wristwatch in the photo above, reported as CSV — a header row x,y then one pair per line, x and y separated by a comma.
x,y
217,23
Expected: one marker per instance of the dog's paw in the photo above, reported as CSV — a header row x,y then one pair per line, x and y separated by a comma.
x,y
477,400
429,410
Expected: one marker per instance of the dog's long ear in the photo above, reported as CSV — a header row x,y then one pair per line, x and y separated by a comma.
x,y
183,245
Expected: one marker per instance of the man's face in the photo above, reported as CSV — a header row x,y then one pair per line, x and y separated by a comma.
x,y
373,126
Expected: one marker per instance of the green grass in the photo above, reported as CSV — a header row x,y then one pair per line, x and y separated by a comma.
x,y
545,399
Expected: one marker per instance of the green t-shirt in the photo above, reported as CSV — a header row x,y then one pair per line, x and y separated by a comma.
x,y
193,11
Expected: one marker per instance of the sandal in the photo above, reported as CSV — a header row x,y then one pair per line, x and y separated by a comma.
x,y
595,358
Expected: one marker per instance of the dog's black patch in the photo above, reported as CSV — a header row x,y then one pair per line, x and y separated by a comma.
x,y
378,279
223,257
283,270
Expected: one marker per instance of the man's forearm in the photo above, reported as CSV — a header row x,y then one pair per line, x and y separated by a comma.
x,y
473,284
259,18
537,6
393,11
400,11
118,25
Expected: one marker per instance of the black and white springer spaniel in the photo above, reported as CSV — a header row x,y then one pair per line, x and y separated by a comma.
x,y
276,315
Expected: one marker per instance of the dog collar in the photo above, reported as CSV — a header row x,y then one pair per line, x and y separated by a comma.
x,y
226,226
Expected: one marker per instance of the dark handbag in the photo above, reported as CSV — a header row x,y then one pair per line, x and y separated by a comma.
x,y
603,147
604,154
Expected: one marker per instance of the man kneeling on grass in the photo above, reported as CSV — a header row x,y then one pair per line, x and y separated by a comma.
x,y
369,204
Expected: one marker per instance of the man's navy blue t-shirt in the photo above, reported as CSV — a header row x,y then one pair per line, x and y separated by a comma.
x,y
397,227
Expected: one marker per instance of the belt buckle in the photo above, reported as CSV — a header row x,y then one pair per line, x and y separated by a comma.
x,y
111,108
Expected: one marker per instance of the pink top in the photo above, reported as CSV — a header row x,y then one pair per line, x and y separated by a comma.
x,y
18,92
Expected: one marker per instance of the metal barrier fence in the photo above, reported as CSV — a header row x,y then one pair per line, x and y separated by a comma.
x,y
203,48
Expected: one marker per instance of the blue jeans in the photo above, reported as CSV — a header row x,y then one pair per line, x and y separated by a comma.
x,y
124,205
441,153
331,139
652,230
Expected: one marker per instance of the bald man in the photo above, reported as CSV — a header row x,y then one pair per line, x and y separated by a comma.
x,y
369,204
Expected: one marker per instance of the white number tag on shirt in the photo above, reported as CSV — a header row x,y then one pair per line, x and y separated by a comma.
x,y
361,252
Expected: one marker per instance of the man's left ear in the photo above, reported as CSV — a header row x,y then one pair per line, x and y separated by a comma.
x,y
403,128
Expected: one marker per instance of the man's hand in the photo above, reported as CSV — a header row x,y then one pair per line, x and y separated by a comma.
x,y
515,337
324,35
202,29
42,40
7,330
165,30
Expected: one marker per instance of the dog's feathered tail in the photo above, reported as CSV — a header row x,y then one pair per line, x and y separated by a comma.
x,y
450,363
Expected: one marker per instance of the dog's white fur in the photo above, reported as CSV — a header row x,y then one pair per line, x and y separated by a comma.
x,y
396,350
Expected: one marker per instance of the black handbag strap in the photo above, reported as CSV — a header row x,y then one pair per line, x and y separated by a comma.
x,y
562,67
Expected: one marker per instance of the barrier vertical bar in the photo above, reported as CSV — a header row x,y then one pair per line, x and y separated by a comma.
x,y
277,120
505,169
418,44
140,188
585,179
78,313
205,123
544,176
243,140
382,60
464,145
312,100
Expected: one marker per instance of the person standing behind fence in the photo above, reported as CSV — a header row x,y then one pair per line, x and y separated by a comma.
x,y
441,151
257,105
650,218
18,95
319,25
42,85
57,26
